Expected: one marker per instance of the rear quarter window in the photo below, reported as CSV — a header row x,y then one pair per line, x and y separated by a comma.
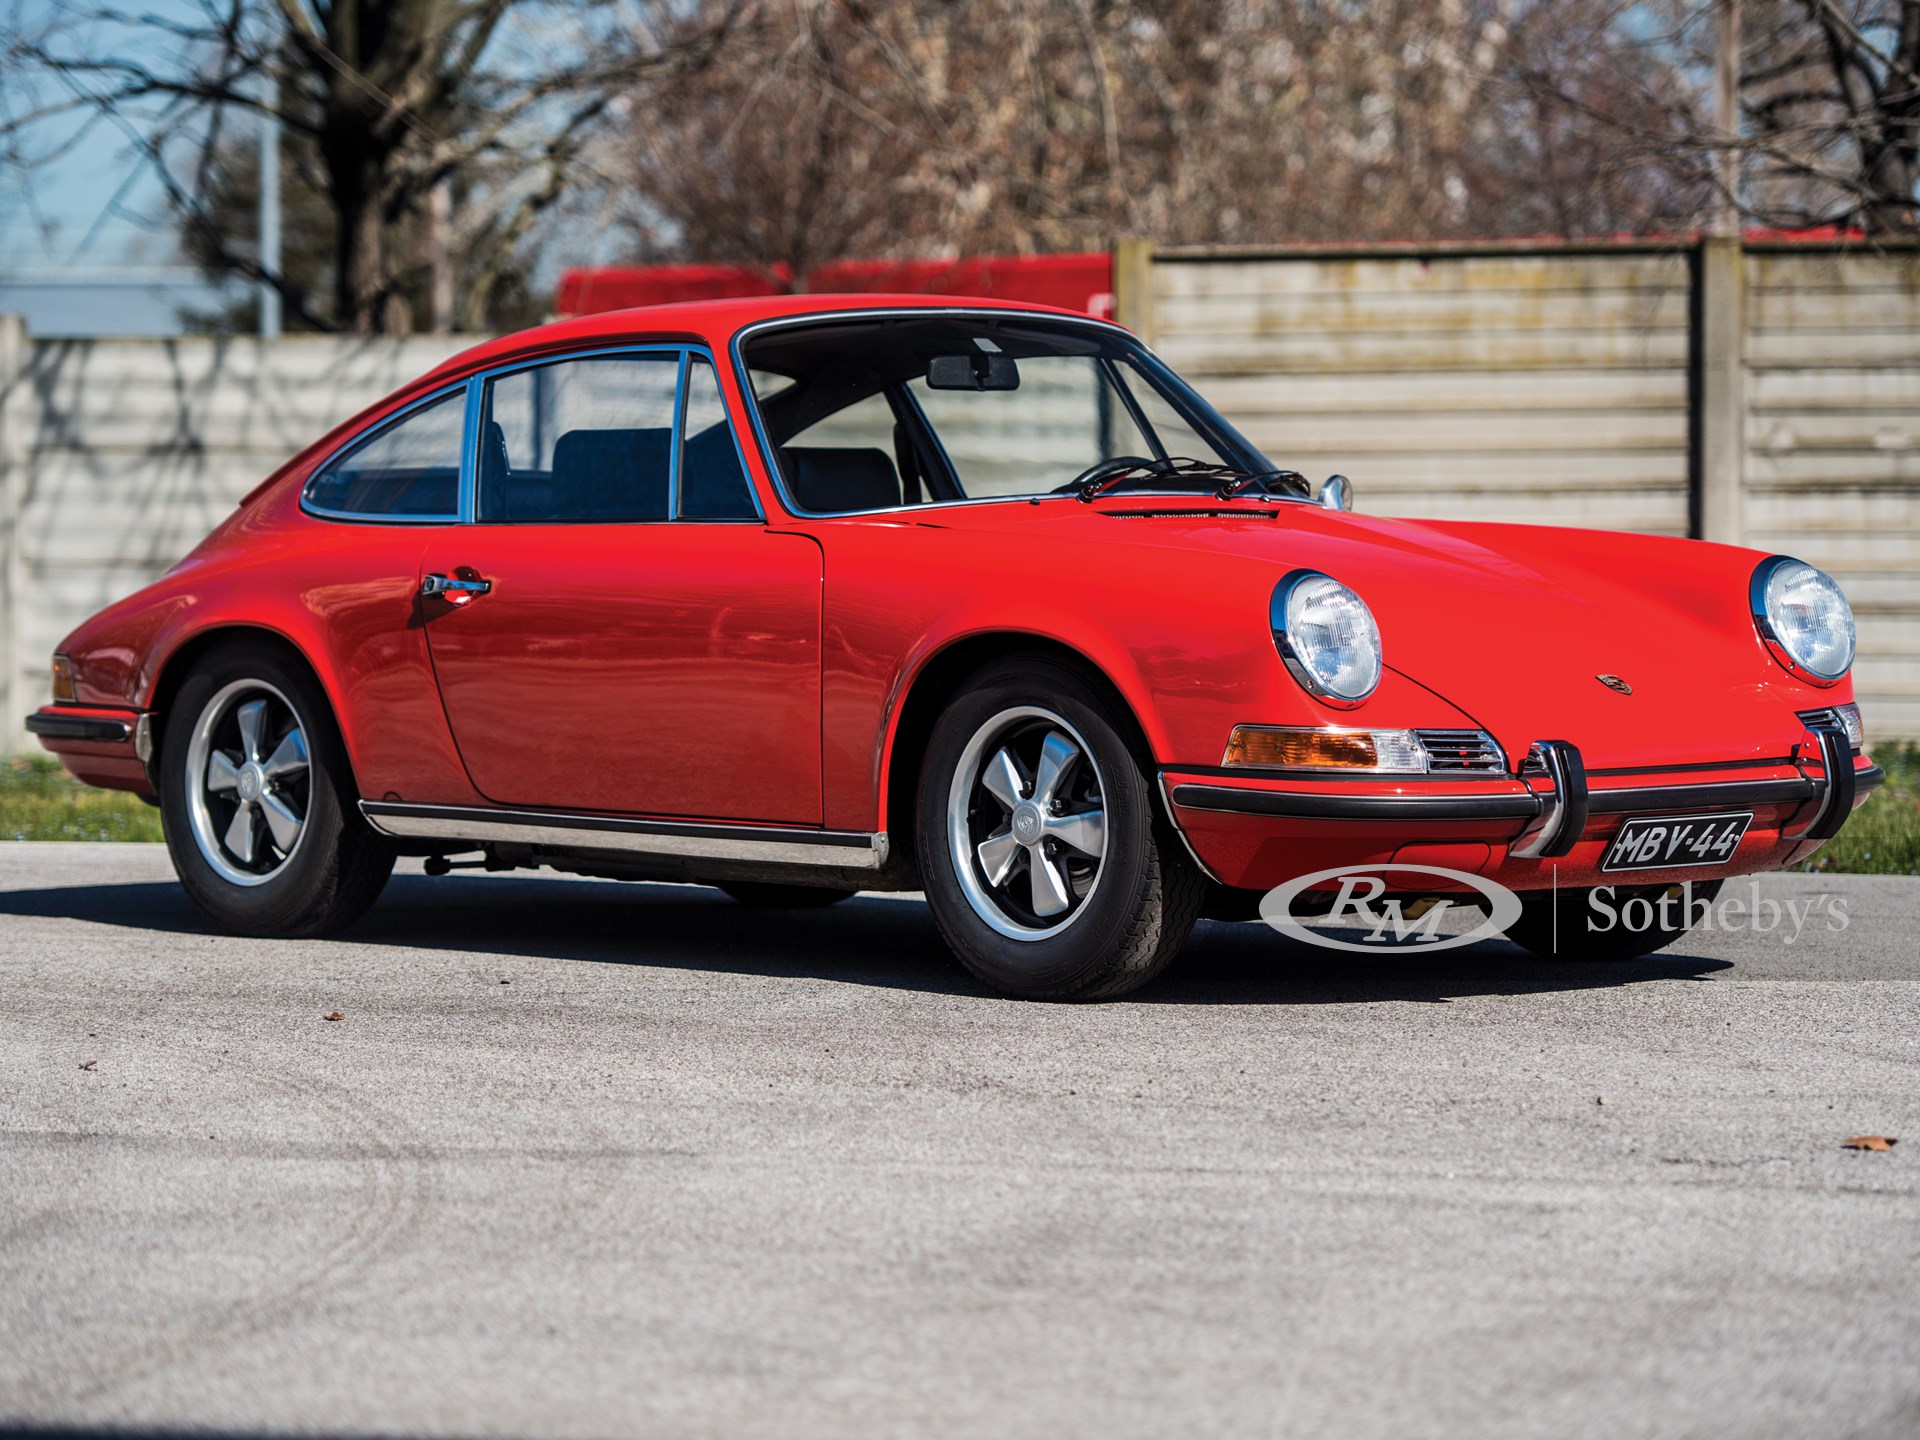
x,y
408,469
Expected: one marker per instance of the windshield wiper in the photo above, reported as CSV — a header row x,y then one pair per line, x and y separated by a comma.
x,y
1233,478
1263,478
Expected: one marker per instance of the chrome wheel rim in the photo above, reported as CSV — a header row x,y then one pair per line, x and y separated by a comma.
x,y
1026,823
249,782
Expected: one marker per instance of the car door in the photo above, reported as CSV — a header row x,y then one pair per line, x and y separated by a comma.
x,y
618,630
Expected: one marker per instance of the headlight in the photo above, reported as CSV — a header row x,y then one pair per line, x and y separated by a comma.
x,y
1803,618
1326,635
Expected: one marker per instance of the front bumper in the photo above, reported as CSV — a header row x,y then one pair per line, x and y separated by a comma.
x,y
1550,825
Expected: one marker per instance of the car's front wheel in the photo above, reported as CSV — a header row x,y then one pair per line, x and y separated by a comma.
x,y
1049,872
258,803
1623,923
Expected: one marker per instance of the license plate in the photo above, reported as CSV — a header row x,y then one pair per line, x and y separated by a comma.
x,y
1676,842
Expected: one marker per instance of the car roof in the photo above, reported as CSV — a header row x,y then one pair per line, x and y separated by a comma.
x,y
714,322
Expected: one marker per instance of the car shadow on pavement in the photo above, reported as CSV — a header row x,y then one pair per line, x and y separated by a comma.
x,y
882,941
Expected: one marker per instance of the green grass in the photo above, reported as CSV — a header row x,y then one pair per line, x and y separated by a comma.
x,y
1883,837
40,801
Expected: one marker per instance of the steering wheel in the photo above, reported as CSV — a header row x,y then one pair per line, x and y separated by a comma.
x,y
1102,470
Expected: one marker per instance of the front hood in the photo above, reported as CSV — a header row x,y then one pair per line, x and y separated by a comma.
x,y
1513,624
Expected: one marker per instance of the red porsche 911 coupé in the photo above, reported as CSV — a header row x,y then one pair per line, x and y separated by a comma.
x,y
808,595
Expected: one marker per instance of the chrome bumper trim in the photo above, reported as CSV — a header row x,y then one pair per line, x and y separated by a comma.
x,y
1839,787
1563,811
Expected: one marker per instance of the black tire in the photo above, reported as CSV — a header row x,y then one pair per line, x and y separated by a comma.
x,y
338,865
766,895
1571,934
1129,915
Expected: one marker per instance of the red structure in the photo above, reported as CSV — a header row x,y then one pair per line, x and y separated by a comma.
x,y
1072,282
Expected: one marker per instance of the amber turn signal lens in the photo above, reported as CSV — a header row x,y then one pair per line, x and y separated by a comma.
x,y
63,680
1255,745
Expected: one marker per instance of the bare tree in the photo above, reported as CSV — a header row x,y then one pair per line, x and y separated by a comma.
x,y
1831,100
387,100
813,137
1829,129
882,127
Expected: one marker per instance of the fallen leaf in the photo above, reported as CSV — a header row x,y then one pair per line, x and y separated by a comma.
x,y
1869,1142
336,1015
88,1064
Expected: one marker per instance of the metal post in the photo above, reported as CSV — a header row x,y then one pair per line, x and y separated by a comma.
x,y
270,216
1133,286
1720,311
1721,367
14,699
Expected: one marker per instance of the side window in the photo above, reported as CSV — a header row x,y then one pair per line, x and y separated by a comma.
x,y
409,469
712,484
579,440
845,461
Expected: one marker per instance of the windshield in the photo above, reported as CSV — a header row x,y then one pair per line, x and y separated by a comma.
x,y
875,414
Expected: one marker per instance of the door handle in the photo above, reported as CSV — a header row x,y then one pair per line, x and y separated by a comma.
x,y
453,589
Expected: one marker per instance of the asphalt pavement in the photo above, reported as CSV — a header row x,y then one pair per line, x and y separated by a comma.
x,y
584,1159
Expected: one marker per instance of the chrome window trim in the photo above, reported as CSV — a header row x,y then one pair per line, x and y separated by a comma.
x,y
468,500
679,438
355,441
743,377
759,516
470,450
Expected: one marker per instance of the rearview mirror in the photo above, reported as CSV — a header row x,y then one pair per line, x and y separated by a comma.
x,y
973,372
1336,493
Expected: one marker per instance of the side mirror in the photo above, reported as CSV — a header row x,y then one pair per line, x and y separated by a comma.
x,y
1336,493
973,372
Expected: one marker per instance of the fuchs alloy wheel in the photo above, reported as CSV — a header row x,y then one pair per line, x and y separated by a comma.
x,y
249,782
258,803
1048,869
1566,925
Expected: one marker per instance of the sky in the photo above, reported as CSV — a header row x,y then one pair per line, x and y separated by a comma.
x,y
86,245
86,240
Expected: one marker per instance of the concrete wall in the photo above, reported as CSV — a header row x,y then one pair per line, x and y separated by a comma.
x,y
1766,396
1536,387
1769,396
1833,447
117,456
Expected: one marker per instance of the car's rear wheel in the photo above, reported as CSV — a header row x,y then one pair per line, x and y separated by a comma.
x,y
765,895
1567,925
1048,869
258,802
